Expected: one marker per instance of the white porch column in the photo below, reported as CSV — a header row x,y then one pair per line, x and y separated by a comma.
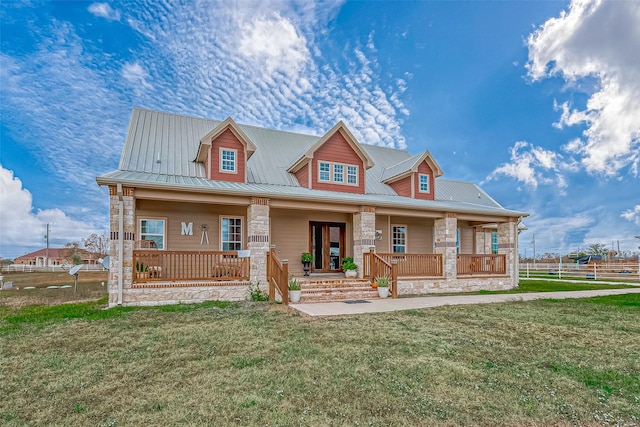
x,y
364,234
121,218
508,245
445,238
258,241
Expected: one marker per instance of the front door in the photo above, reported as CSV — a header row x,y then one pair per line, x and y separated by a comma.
x,y
327,246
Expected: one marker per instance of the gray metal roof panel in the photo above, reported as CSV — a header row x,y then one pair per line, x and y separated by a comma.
x,y
400,167
174,140
143,179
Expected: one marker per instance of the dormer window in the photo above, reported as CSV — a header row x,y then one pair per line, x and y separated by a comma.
x,y
325,172
228,160
334,173
424,183
352,175
338,173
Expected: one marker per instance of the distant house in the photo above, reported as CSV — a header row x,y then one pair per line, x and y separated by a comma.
x,y
57,256
199,208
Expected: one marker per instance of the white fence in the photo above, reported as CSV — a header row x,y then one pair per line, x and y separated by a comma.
x,y
596,271
24,268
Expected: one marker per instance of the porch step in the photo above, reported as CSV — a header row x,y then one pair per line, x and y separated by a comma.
x,y
324,290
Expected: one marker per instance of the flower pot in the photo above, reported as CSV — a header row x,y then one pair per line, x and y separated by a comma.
x,y
351,273
383,292
306,266
374,285
294,296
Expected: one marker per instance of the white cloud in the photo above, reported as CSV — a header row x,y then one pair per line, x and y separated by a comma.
x,y
273,43
260,64
22,229
532,165
632,215
136,75
104,10
597,40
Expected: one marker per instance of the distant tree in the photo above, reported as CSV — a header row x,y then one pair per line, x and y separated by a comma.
x,y
597,249
72,253
97,244
4,261
548,257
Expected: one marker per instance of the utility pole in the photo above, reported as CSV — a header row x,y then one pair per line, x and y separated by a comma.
x,y
533,241
46,257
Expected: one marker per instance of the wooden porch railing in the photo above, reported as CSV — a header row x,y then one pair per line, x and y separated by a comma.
x,y
375,265
409,265
278,277
155,265
482,264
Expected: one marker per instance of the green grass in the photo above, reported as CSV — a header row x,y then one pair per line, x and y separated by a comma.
x,y
548,362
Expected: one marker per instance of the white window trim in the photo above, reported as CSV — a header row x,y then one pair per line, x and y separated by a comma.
x,y
235,161
241,218
406,238
345,175
320,171
164,229
420,190
346,181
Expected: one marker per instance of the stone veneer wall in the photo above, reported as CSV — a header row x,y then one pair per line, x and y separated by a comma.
x,y
407,286
148,296
445,244
258,240
364,235
508,245
129,237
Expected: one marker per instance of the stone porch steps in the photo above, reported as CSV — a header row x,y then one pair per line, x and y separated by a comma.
x,y
320,290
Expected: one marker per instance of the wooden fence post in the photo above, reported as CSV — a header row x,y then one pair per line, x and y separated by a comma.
x,y
272,289
284,285
372,264
394,278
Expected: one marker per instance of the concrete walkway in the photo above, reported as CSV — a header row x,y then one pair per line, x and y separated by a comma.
x,y
388,304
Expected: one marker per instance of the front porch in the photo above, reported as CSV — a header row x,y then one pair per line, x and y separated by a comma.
x,y
200,275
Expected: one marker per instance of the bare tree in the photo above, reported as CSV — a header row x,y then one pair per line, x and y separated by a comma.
x,y
597,249
73,253
97,244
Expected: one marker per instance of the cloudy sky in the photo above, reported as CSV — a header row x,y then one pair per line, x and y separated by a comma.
x,y
537,102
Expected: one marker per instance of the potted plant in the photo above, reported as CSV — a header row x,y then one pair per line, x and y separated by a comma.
x,y
142,271
306,259
383,286
295,291
349,267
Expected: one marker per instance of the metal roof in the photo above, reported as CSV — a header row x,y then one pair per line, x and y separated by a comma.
x,y
160,149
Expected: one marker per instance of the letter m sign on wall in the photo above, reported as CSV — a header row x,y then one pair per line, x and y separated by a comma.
x,y
187,229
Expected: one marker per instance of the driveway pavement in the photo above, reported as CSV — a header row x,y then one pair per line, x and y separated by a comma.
x,y
382,305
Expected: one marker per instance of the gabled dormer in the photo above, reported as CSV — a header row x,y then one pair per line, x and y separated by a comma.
x,y
225,152
414,177
336,162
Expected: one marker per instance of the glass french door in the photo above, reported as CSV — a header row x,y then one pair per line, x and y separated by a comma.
x,y
327,246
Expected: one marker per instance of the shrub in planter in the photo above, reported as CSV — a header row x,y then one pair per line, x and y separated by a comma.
x,y
383,286
295,290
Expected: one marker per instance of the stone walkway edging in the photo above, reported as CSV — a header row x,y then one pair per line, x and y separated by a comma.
x,y
386,305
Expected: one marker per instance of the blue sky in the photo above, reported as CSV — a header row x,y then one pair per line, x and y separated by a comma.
x,y
537,102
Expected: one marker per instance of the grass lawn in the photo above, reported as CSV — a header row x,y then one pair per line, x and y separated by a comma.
x,y
549,362
89,288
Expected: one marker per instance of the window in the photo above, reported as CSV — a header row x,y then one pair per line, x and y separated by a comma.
x,y
153,230
231,234
399,239
457,240
338,173
424,183
325,172
494,242
227,160
335,173
352,175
